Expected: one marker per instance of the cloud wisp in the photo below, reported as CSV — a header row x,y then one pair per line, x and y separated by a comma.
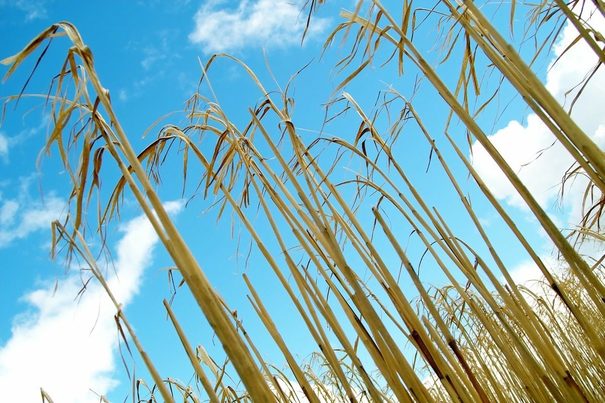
x,y
3,147
33,9
18,219
66,345
260,23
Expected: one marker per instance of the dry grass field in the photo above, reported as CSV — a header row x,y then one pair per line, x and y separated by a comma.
x,y
476,337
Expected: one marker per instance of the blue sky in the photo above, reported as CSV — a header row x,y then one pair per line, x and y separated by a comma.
x,y
147,53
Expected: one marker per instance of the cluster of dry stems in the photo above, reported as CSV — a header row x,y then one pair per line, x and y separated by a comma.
x,y
480,338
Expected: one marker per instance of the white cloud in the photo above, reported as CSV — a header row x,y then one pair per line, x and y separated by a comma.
x,y
3,147
67,346
531,149
17,222
260,23
527,273
8,142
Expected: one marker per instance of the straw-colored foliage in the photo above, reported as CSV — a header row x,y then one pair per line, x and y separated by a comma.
x,y
336,241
